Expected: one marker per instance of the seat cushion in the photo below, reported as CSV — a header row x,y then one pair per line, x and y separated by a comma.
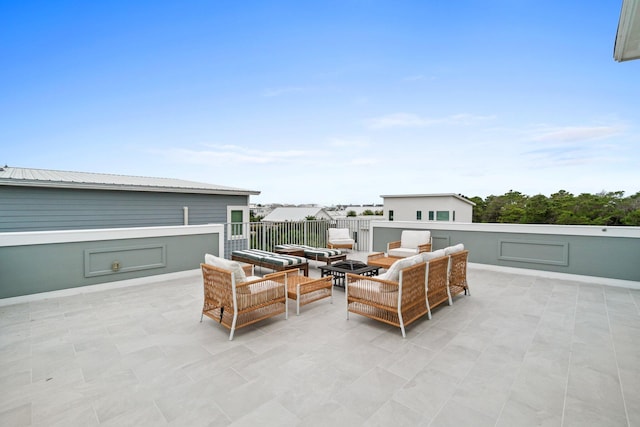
x,y
369,290
234,267
410,239
338,233
402,252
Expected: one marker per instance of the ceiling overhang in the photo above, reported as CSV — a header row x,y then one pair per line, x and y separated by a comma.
x,y
627,44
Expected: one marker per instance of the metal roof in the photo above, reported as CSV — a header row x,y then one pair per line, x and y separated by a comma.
x,y
28,177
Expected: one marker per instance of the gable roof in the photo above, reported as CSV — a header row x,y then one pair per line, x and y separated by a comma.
x,y
296,214
457,196
27,177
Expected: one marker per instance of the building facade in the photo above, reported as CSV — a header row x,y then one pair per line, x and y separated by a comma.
x,y
39,200
428,207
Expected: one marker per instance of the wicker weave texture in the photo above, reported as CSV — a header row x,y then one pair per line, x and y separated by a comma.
x,y
458,273
379,299
255,300
437,292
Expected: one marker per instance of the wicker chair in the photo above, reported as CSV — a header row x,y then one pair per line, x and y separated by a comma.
x,y
339,238
411,243
437,282
304,289
398,303
458,273
235,305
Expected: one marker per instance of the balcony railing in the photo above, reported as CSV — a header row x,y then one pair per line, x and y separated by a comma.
x,y
266,235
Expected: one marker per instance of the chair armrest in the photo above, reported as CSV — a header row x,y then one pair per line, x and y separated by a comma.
x,y
424,248
393,245
248,268
375,255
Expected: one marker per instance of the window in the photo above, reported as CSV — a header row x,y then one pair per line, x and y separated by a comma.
x,y
419,215
431,216
442,216
454,215
237,216
236,223
390,215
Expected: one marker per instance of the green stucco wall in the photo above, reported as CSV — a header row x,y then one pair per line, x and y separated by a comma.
x,y
39,268
603,256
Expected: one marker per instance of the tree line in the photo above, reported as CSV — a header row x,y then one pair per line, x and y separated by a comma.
x,y
605,208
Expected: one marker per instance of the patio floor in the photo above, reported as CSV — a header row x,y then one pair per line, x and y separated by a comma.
x,y
522,350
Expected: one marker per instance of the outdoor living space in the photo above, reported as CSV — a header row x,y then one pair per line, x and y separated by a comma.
x,y
523,349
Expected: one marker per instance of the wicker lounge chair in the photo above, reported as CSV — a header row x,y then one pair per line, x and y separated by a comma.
x,y
271,260
339,238
316,254
411,243
235,303
302,289
397,297
458,269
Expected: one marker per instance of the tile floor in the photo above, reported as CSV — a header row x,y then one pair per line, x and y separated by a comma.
x,y
522,350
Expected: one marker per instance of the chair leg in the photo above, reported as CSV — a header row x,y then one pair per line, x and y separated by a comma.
x,y
233,325
428,310
201,315
404,335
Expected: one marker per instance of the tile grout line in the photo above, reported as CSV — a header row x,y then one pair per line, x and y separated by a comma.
x,y
615,356
566,385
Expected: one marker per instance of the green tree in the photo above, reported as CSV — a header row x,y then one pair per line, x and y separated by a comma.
x,y
367,212
537,210
352,213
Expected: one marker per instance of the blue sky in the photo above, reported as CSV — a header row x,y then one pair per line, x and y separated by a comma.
x,y
324,102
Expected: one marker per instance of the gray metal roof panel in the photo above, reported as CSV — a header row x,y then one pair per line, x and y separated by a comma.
x,y
102,181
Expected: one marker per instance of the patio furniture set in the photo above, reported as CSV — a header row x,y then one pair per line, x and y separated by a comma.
x,y
410,288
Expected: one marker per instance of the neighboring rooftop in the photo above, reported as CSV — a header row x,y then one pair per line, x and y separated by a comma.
x,y
296,214
101,181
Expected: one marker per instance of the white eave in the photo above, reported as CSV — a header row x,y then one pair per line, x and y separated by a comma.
x,y
627,44
412,196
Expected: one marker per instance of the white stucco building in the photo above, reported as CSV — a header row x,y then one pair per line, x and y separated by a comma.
x,y
428,207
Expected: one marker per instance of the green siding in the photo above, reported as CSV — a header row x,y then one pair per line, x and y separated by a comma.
x,y
35,209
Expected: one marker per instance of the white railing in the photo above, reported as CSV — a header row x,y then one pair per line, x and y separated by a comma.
x,y
266,235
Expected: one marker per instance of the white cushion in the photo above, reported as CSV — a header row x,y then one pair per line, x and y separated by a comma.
x,y
454,249
410,239
428,256
402,252
225,264
338,233
393,273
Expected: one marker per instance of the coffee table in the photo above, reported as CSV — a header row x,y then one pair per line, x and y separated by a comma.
x,y
340,269
290,251
379,259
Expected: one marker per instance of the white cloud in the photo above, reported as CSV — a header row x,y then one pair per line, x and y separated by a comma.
x,y
406,120
577,133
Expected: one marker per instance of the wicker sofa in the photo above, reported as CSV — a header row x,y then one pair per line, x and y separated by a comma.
x,y
397,297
